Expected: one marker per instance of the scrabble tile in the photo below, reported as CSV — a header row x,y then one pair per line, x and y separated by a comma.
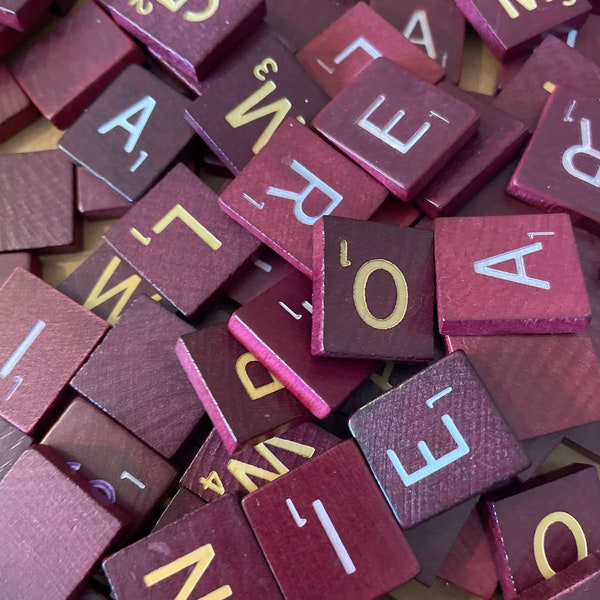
x,y
45,338
435,26
131,134
106,284
183,503
9,261
393,212
260,79
388,273
552,63
136,378
320,383
12,444
508,30
36,201
54,531
319,534
499,138
68,69
21,14
213,472
454,462
510,274
97,200
223,567
559,170
177,238
335,57
544,527
294,181
398,127
16,111
245,402
132,475
193,38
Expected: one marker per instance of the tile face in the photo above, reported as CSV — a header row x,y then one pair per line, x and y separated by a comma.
x,y
511,274
131,134
213,472
245,402
38,490
12,444
321,384
45,71
388,274
113,460
16,111
96,199
436,27
36,201
335,57
294,181
247,98
45,338
178,239
158,566
136,378
399,128
433,454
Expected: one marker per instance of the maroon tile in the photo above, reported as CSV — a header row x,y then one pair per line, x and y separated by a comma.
x,y
12,444
16,110
96,199
22,14
9,261
183,503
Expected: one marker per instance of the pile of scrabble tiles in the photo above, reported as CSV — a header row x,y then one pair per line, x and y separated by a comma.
x,y
341,320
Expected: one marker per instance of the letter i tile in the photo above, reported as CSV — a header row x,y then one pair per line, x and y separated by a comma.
x,y
509,274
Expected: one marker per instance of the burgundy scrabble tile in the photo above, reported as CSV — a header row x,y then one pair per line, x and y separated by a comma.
x,y
97,200
36,201
158,566
499,138
213,472
16,110
432,455
437,27
67,70
552,63
9,261
177,238
22,14
136,378
192,38
183,503
131,134
54,531
247,98
319,534
559,170
508,28
132,475
294,181
393,212
398,127
510,274
45,338
245,402
321,384
106,284
335,57
12,444
544,527
388,274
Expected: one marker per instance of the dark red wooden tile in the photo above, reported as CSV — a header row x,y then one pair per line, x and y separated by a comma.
x,y
97,200
213,472
158,566
372,291
54,531
9,261
435,26
398,127
319,534
509,274
112,459
249,95
47,73
36,201
294,181
321,384
136,378
447,405
183,503
12,444
178,239
131,134
336,56
544,527
16,110
22,14
45,338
